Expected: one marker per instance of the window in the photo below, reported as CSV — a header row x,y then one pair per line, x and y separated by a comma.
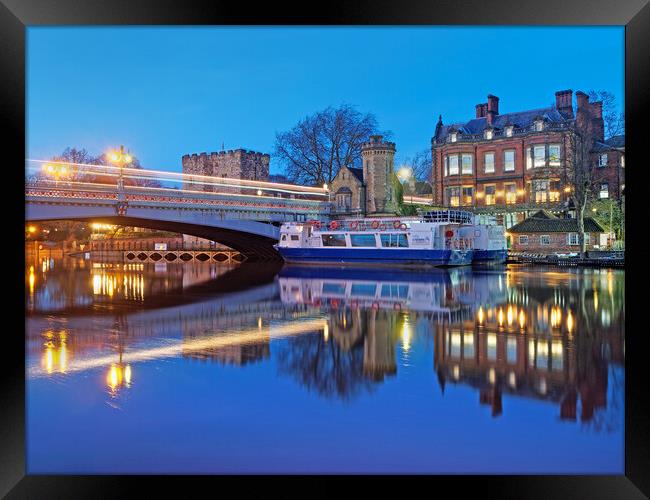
x,y
395,291
284,237
343,201
623,161
367,289
529,158
333,240
453,137
539,155
334,288
572,239
509,160
604,191
554,155
363,240
489,134
467,164
541,191
453,165
539,125
523,239
544,239
468,195
393,240
453,196
490,192
295,237
446,165
489,163
602,160
509,131
511,192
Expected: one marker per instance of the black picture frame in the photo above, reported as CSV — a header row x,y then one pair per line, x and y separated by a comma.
x,y
16,15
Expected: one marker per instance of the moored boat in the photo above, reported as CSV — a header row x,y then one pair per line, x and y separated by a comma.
x,y
432,239
489,240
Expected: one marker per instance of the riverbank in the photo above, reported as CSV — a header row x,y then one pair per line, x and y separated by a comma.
x,y
593,259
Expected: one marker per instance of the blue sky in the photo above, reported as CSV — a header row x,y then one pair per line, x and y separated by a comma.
x,y
168,91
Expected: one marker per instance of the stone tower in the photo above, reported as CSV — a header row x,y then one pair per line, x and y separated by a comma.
x,y
378,159
237,164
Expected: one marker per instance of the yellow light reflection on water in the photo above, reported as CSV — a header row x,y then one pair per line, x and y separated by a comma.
x,y
481,315
406,335
32,280
596,300
510,314
500,316
569,321
522,319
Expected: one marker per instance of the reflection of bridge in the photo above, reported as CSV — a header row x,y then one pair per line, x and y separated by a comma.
x,y
245,219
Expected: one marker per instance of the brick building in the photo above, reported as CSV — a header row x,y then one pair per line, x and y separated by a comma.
x,y
609,168
510,164
542,232
237,164
367,190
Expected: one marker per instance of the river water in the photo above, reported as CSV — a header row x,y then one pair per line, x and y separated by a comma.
x,y
210,368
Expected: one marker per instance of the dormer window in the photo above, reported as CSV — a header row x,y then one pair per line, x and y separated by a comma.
x,y
489,133
539,125
453,137
509,131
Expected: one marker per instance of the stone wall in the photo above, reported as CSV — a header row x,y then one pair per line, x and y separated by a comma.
x,y
378,157
345,179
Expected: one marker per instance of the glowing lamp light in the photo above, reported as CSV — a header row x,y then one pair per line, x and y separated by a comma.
x,y
259,192
31,229
113,157
128,158
325,186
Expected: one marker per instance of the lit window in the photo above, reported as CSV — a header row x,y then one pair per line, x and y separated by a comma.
x,y
623,161
489,134
539,125
453,165
453,196
541,191
446,161
453,137
539,155
490,192
467,164
529,158
604,191
523,239
572,239
511,193
508,131
468,195
545,239
489,163
602,160
554,155
509,160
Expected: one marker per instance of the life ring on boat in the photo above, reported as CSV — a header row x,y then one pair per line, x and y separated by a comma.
x,y
396,224
402,226
449,233
374,224
334,225
316,224
354,224
382,227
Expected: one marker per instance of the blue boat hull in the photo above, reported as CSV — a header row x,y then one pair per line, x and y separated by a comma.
x,y
490,256
377,256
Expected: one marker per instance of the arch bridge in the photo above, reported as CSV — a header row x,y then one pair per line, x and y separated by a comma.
x,y
244,215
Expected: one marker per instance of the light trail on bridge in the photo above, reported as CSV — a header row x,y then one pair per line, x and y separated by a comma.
x,y
252,335
167,176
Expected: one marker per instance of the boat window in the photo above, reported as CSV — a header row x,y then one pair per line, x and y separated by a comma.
x,y
333,240
363,240
284,237
395,291
393,240
367,289
295,237
334,288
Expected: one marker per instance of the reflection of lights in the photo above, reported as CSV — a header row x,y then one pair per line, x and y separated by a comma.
x,y
542,385
512,379
595,300
406,335
456,372
49,358
492,341
326,331
481,315
259,322
127,375
510,315
500,316
32,280
117,376
522,319
492,376
569,321
556,317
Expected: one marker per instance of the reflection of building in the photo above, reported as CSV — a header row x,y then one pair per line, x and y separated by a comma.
x,y
379,345
237,354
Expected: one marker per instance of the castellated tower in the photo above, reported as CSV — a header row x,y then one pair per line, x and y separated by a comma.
x,y
237,164
377,171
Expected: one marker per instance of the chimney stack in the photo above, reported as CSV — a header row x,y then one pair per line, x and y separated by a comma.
x,y
583,100
492,108
564,102
481,110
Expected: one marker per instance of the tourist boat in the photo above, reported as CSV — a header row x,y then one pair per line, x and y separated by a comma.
x,y
431,239
488,239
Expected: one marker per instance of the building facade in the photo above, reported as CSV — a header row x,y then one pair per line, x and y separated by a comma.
x,y
511,164
232,164
367,190
609,168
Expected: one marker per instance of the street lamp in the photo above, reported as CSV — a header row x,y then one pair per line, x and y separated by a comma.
x,y
120,159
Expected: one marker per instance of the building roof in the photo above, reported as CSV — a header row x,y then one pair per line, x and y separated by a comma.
x,y
357,172
614,142
545,222
520,119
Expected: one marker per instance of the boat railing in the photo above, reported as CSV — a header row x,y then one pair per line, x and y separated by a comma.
x,y
455,216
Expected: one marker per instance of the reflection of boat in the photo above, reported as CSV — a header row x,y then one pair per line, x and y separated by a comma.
x,y
435,291
433,239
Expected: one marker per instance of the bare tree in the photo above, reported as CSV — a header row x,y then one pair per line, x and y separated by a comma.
x,y
613,120
319,145
421,169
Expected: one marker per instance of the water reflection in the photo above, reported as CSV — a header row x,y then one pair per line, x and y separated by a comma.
x,y
542,337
